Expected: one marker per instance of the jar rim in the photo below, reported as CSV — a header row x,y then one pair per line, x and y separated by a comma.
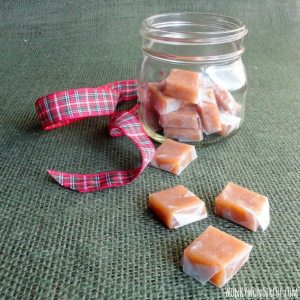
x,y
209,28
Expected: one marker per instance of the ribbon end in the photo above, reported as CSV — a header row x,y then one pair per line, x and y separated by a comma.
x,y
75,182
57,176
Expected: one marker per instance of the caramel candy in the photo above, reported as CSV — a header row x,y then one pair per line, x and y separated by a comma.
x,y
184,134
150,115
183,85
225,100
229,123
189,103
209,112
160,85
162,103
185,117
177,206
173,156
215,256
243,207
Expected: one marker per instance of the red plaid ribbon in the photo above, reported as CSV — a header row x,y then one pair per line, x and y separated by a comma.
x,y
62,108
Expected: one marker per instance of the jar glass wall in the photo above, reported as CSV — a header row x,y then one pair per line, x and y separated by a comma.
x,y
192,81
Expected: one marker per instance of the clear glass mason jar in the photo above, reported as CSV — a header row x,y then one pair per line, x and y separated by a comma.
x,y
192,82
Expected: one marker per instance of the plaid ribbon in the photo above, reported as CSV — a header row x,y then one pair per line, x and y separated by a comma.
x,y
62,108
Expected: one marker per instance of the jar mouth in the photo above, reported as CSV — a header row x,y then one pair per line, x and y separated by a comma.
x,y
192,28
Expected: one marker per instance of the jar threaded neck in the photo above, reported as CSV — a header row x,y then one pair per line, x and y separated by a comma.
x,y
193,37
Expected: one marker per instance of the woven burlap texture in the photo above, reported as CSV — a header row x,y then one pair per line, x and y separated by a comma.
x,y
59,244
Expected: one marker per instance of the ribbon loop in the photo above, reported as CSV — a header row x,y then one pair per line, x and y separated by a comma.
x,y
62,108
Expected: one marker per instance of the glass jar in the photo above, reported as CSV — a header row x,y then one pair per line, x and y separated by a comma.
x,y
192,82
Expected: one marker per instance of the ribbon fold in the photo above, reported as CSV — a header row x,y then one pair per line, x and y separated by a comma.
x,y
62,108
